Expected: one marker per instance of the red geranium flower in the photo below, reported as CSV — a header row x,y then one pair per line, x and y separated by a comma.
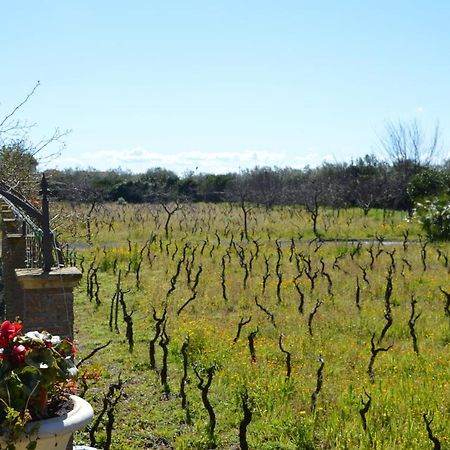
x,y
10,329
4,341
18,354
6,328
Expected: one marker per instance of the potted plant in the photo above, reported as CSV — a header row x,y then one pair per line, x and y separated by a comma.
x,y
37,407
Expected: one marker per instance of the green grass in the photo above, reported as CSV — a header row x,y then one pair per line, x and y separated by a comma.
x,y
117,223
405,385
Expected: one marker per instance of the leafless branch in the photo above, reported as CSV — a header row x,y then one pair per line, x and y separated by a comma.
x,y
16,108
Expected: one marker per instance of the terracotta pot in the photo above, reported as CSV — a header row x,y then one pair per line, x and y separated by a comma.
x,y
55,433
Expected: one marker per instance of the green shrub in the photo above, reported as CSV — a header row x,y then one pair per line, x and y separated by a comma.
x,y
434,215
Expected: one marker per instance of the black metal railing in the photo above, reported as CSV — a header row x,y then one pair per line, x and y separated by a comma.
x,y
42,249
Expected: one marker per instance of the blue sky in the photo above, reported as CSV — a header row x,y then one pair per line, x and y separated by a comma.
x,y
215,86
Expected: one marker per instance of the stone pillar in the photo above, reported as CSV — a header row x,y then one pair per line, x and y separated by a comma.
x,y
13,257
48,299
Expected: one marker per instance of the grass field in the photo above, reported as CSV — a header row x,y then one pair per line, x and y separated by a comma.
x,y
332,332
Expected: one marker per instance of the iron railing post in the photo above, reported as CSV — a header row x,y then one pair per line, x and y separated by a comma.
x,y
47,237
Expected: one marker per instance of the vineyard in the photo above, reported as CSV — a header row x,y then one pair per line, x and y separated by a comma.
x,y
236,326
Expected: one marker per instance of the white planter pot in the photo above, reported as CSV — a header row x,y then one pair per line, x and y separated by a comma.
x,y
55,433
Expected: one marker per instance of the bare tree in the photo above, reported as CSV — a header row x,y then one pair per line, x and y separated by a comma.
x,y
12,128
19,158
409,149
366,183
407,141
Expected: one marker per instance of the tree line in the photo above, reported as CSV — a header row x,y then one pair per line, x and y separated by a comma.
x,y
366,183
405,175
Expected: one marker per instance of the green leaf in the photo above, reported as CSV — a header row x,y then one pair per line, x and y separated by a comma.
x,y
41,358
68,368
64,348
30,377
